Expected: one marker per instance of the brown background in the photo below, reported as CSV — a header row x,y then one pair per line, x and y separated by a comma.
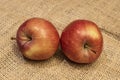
x,y
106,13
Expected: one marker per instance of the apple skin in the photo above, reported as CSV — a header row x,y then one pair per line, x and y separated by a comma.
x,y
37,39
82,41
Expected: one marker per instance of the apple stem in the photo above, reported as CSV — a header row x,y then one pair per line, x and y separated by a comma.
x,y
93,51
13,38
86,46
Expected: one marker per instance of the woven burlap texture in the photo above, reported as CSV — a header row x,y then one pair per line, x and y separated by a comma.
x,y
105,13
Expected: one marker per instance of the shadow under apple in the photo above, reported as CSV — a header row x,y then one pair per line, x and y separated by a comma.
x,y
55,60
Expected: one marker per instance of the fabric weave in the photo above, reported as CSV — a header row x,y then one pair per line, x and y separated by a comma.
x,y
105,13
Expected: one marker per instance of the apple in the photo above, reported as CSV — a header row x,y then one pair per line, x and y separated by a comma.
x,y
37,39
82,41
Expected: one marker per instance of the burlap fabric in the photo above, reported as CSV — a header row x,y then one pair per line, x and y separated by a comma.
x,y
106,13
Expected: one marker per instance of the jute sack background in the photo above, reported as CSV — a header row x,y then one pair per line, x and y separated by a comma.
x,y
106,13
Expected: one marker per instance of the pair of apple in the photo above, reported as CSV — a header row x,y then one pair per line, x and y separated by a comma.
x,y
81,41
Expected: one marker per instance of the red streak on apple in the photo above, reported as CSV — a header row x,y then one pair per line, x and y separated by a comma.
x,y
37,39
82,41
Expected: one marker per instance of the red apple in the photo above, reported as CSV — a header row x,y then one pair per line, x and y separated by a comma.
x,y
37,39
82,41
